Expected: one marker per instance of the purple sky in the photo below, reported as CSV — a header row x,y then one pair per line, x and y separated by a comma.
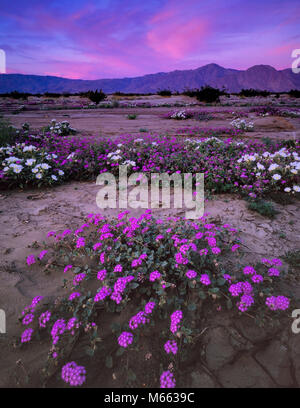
x,y
92,39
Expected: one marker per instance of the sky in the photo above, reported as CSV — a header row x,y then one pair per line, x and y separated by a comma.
x,y
92,39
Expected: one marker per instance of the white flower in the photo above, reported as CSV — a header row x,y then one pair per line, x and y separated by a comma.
x,y
45,166
61,173
35,170
294,171
276,176
115,158
129,163
39,176
54,177
29,148
296,189
17,168
29,162
11,159
287,189
273,167
260,166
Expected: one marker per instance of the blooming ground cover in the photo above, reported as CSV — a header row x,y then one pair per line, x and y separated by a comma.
x,y
155,274
249,168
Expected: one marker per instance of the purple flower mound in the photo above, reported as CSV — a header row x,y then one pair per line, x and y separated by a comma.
x,y
277,303
204,278
73,374
125,339
175,320
149,307
191,274
171,347
102,294
26,335
167,380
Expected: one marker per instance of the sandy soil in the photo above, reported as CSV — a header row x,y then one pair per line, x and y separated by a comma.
x,y
26,217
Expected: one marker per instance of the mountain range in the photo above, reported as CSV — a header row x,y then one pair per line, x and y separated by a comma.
x,y
262,77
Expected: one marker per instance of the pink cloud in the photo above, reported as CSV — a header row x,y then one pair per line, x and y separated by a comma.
x,y
176,39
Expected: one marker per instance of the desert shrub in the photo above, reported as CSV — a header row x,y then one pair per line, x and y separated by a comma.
x,y
164,92
59,128
208,94
8,133
52,95
263,207
179,115
294,93
96,96
132,116
17,95
27,165
253,92
155,276
292,258
242,124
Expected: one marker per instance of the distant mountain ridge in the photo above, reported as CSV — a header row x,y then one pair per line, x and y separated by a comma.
x,y
262,77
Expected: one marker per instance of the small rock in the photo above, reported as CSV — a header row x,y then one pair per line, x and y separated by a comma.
x,y
218,349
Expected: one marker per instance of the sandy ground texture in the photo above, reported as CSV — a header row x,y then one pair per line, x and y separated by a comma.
x,y
26,217
113,122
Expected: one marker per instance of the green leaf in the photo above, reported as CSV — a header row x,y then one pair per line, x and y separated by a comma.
x,y
120,351
89,351
115,327
229,304
192,307
214,290
131,375
109,362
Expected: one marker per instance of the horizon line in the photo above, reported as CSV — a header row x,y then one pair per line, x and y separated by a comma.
x,y
139,76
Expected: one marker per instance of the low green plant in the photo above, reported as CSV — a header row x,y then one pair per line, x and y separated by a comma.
x,y
8,133
263,207
132,116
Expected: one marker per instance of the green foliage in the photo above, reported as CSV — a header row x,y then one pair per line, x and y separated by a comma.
x,y
8,133
294,93
253,92
293,258
208,94
132,116
96,96
263,207
164,92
